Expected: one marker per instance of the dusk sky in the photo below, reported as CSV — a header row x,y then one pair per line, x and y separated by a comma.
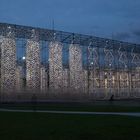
x,y
119,19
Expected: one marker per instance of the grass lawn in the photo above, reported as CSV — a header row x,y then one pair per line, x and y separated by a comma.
x,y
43,126
94,107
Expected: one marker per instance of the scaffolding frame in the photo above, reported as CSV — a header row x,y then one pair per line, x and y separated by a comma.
x,y
112,67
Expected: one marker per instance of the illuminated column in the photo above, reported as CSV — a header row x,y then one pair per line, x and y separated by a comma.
x,y
0,61
33,64
19,80
124,76
44,79
102,83
8,63
135,74
94,74
90,82
75,64
91,67
109,63
55,66
124,83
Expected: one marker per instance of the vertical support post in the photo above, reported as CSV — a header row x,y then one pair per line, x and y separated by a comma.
x,y
65,80
44,80
19,79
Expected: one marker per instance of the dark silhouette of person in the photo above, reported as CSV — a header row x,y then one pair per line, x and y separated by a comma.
x,y
111,98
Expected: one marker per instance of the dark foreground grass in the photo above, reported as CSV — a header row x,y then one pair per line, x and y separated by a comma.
x,y
43,126
93,107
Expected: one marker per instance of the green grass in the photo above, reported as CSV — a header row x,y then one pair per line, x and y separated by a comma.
x,y
75,107
43,126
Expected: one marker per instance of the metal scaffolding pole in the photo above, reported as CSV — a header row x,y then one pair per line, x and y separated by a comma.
x,y
19,79
43,80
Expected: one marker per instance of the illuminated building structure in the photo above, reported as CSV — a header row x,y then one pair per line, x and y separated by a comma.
x,y
112,67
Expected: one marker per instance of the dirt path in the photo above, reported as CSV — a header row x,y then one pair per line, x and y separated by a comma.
x,y
137,114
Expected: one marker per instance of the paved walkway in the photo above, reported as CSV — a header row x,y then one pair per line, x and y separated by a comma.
x,y
137,114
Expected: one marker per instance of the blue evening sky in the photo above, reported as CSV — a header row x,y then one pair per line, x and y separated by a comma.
x,y
119,19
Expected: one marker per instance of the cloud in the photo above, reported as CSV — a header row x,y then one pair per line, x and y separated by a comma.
x,y
122,36
136,33
97,17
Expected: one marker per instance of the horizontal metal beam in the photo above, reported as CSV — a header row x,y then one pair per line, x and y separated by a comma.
x,y
67,37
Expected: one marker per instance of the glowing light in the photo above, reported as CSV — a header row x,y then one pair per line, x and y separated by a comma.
x,y
23,58
9,27
91,63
